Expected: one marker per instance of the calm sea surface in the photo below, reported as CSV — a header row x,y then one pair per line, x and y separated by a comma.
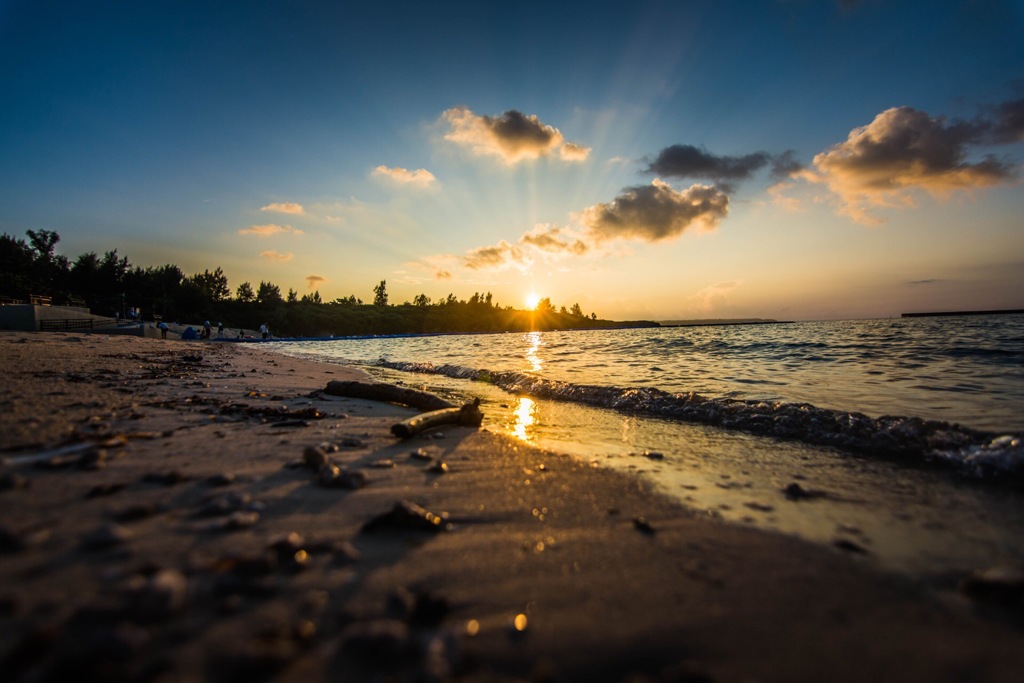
x,y
626,399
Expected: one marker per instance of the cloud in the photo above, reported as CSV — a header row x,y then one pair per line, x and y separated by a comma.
x,y
1008,124
901,150
421,177
276,256
554,240
284,207
512,137
655,212
497,257
443,275
687,161
269,230
714,296
314,280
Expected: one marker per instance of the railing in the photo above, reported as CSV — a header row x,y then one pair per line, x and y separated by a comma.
x,y
70,324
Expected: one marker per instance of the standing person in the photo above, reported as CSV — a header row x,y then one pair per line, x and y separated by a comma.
x,y
163,329
264,330
207,330
220,329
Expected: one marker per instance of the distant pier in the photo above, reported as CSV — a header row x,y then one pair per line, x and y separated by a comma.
x,y
1013,311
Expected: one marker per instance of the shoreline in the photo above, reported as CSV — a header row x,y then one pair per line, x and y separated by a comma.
x,y
163,550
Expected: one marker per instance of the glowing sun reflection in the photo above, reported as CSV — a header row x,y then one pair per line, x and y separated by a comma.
x,y
524,416
535,342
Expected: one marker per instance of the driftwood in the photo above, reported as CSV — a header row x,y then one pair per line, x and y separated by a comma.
x,y
468,415
388,393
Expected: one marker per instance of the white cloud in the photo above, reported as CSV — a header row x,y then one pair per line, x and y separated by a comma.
x,y
284,207
277,256
269,230
900,151
421,177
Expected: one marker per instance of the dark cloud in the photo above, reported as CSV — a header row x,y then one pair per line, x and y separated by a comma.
x,y
552,240
656,212
687,161
785,165
495,257
1007,126
512,136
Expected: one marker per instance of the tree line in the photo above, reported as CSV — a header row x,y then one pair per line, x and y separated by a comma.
x,y
110,285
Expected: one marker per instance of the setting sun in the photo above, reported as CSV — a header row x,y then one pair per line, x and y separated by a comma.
x,y
532,299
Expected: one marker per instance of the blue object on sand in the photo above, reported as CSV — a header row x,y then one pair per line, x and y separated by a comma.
x,y
189,333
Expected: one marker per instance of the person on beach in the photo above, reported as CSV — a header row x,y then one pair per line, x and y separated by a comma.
x,y
207,330
220,329
162,326
264,330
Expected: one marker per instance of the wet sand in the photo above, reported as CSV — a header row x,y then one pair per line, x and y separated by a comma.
x,y
180,535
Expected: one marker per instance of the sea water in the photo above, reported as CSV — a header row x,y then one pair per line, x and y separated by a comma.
x,y
904,434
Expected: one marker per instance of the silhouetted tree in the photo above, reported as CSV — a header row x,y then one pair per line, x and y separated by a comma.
x,y
293,296
421,300
214,284
245,294
268,293
380,294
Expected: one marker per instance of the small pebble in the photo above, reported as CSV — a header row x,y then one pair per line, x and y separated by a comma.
x,y
438,468
642,525
315,457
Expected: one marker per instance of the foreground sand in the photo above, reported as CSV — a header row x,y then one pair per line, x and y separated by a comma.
x,y
182,538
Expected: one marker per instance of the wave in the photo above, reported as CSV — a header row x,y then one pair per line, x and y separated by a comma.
x,y
910,439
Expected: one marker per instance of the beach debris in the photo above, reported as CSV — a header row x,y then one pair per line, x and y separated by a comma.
x,y
642,525
421,454
101,490
387,393
849,546
134,513
408,516
332,476
351,442
378,640
13,540
12,481
225,504
1000,585
468,415
383,464
157,596
315,457
759,507
653,455
438,467
222,479
171,478
795,492
106,536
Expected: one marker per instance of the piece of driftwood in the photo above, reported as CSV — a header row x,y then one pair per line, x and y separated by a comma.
x,y
468,415
388,393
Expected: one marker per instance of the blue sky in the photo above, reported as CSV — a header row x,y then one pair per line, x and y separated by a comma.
x,y
790,159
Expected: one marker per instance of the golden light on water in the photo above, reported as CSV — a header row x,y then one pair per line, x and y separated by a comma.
x,y
523,418
534,341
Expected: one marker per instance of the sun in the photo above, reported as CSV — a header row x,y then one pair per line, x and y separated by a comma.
x,y
532,299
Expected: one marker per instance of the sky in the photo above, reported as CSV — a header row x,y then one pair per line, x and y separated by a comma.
x,y
786,159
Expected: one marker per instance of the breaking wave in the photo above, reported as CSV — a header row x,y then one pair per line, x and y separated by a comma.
x,y
910,439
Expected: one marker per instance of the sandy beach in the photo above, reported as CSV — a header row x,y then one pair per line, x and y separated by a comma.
x,y
161,520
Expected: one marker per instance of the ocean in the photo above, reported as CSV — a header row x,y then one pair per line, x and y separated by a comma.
x,y
896,440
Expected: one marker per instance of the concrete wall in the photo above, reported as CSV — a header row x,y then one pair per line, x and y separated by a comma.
x,y
26,317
